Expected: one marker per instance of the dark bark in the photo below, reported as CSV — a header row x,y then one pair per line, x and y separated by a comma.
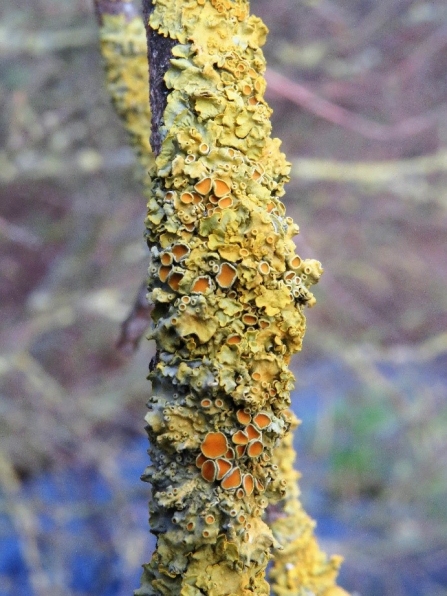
x,y
159,54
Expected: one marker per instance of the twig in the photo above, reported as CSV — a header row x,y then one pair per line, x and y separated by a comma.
x,y
371,173
14,42
26,525
417,59
133,328
307,99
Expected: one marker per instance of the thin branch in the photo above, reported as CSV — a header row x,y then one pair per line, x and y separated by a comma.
x,y
369,172
133,328
307,99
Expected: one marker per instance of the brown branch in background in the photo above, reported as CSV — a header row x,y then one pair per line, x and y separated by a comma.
x,y
303,97
416,61
125,8
133,328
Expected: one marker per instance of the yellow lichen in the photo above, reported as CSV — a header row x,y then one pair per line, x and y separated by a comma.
x,y
124,51
300,567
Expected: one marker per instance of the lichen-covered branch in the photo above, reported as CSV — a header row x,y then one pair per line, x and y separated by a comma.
x,y
124,50
300,567
229,292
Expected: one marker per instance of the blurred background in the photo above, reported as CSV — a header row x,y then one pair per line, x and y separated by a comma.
x,y
359,91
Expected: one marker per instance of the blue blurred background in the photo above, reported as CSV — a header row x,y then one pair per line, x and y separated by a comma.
x,y
362,115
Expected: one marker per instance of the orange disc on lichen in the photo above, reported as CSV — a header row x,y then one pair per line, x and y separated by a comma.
x,y
256,175
240,493
259,486
190,526
233,339
249,319
232,479
210,519
225,202
200,460
264,268
166,259
221,188
163,273
186,197
229,454
252,432
248,484
179,251
223,466
262,420
240,438
197,198
201,284
255,448
240,450
209,470
190,227
295,262
243,417
204,186
226,276
214,445
174,280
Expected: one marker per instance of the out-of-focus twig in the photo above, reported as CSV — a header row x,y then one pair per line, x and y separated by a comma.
x,y
133,328
35,166
18,234
35,43
307,99
26,525
369,172
418,59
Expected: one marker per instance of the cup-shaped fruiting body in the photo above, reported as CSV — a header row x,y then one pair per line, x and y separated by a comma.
x,y
214,445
